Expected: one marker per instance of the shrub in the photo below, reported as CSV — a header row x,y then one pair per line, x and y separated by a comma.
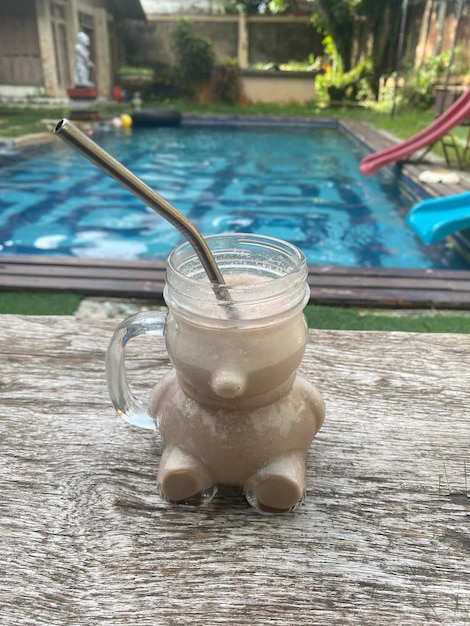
x,y
352,86
226,82
194,54
418,90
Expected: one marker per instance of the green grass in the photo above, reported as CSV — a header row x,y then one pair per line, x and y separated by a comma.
x,y
403,124
35,303
336,318
16,122
320,317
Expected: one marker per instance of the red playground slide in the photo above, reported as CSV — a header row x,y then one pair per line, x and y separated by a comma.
x,y
454,115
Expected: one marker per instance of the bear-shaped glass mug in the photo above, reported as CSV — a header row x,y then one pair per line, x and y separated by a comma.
x,y
233,410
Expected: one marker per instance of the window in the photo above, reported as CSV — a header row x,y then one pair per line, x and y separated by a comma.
x,y
59,36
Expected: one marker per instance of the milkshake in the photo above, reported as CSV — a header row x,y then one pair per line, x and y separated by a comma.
x,y
234,410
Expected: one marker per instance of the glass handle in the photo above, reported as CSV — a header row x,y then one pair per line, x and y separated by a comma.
x,y
131,409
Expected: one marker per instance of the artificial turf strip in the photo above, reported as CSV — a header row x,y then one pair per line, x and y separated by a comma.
x,y
335,318
31,303
321,317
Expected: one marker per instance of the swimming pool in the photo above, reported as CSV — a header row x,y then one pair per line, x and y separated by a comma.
x,y
298,183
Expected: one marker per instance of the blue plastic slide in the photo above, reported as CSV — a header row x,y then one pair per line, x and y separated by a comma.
x,y
436,218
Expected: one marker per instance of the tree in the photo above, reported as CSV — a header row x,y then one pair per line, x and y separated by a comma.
x,y
383,20
337,18
379,22
356,27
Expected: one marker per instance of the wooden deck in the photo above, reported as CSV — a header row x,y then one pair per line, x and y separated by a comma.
x,y
328,284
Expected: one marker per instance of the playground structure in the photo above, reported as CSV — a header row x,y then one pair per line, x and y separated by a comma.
x,y
430,135
432,219
436,218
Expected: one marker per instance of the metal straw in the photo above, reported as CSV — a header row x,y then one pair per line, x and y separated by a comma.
x,y
78,140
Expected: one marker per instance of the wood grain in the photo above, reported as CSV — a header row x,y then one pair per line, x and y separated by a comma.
x,y
383,537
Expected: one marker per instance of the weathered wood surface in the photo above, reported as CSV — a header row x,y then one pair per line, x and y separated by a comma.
x,y
363,286
383,537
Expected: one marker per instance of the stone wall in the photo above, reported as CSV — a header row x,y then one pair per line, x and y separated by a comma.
x,y
281,41
268,38
280,87
149,44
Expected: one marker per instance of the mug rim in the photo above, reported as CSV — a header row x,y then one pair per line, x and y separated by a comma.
x,y
291,251
280,289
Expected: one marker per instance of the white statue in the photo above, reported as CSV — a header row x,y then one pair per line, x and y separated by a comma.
x,y
83,63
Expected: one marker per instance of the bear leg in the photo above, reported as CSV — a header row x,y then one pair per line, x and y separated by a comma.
x,y
183,479
279,486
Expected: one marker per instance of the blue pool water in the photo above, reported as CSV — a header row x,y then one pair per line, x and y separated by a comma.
x,y
298,184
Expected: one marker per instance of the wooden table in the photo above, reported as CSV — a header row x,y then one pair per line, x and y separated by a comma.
x,y
383,537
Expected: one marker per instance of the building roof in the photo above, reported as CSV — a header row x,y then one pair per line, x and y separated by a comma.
x,y
127,9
